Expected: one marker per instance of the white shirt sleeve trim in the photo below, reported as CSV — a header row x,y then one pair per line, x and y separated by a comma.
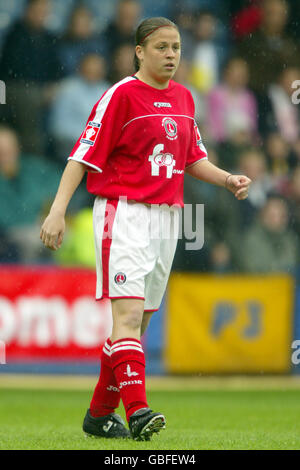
x,y
86,163
192,164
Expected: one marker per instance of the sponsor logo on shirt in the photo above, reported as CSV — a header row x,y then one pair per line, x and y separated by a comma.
x,y
170,127
157,104
90,133
159,159
120,278
164,159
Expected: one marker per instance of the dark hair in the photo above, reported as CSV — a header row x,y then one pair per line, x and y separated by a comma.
x,y
31,2
146,28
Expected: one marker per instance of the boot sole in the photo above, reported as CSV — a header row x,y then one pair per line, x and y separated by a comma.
x,y
154,425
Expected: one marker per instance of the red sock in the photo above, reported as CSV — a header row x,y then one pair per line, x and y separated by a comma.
x,y
106,397
128,363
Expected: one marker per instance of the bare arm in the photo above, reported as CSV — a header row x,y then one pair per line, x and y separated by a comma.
x,y
53,228
208,172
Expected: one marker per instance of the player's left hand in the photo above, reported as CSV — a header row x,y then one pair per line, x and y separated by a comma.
x,y
238,185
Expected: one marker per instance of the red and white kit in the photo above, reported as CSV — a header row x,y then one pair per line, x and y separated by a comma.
x,y
137,143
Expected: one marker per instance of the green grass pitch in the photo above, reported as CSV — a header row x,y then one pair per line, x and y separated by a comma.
x,y
196,419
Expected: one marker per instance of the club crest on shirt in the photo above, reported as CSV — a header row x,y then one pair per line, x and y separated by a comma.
x,y
120,278
90,133
170,127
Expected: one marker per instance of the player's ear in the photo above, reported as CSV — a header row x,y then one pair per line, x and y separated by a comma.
x,y
139,52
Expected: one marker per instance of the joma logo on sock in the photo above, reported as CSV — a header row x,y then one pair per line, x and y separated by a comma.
x,y
111,388
130,382
129,373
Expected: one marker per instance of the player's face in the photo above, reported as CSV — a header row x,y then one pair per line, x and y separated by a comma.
x,y
160,56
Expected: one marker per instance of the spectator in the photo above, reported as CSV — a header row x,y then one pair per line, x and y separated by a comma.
x,y
225,218
253,163
79,40
206,55
182,76
277,111
293,194
230,150
27,183
269,245
121,30
281,160
220,258
294,19
78,248
122,63
269,49
216,221
72,105
8,250
246,19
28,66
231,105
184,18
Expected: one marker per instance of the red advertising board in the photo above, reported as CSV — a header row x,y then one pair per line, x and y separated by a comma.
x,y
51,314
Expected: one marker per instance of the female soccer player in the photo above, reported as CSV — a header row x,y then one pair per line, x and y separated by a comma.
x,y
138,141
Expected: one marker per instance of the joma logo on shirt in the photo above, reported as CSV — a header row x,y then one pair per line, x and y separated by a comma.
x,y
157,104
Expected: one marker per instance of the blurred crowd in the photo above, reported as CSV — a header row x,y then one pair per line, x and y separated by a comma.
x,y
241,62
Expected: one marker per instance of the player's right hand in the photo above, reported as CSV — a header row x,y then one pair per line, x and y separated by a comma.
x,y
52,231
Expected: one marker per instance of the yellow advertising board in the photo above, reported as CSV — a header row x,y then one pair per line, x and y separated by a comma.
x,y
229,324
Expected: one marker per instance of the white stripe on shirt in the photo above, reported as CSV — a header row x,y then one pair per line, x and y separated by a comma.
x,y
101,108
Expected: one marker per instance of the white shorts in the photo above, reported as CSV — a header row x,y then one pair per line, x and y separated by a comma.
x,y
135,245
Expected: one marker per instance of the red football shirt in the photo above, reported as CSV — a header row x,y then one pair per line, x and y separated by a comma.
x,y
138,141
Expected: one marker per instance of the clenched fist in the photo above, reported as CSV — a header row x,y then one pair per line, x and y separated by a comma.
x,y
238,185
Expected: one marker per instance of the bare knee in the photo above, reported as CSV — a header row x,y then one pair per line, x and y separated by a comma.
x,y
127,318
131,319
